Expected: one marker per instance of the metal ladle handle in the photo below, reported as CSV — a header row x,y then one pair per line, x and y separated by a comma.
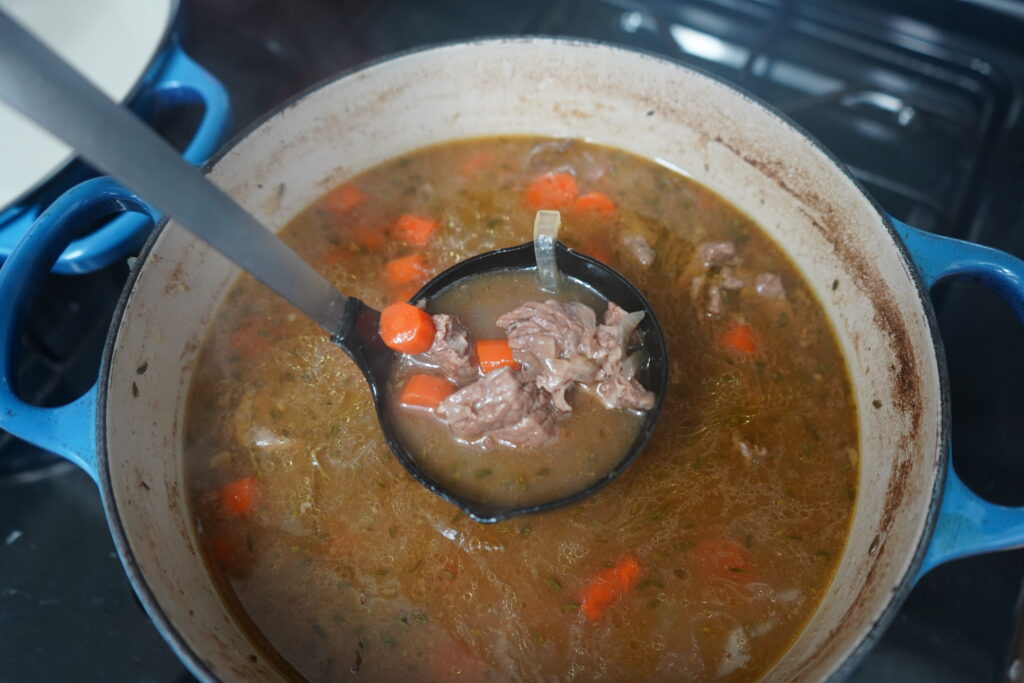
x,y
43,87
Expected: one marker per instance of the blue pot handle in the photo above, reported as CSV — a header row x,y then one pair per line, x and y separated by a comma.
x,y
68,430
179,80
184,82
967,524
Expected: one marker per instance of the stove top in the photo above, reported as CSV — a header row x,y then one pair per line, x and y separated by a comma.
x,y
923,101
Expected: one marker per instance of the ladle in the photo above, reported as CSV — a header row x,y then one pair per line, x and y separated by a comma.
x,y
44,88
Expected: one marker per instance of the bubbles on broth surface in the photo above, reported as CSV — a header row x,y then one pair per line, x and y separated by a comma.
x,y
722,541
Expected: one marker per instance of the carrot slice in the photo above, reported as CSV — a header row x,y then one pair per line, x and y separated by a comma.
x,y
474,164
494,354
425,391
552,191
406,329
344,199
610,585
238,498
594,204
740,338
369,238
406,270
414,229
595,250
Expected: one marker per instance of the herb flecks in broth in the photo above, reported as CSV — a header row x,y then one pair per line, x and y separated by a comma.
x,y
735,515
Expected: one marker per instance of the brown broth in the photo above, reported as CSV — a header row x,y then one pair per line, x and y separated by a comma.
x,y
344,563
591,441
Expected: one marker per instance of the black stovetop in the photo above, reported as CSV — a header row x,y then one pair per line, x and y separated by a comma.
x,y
922,99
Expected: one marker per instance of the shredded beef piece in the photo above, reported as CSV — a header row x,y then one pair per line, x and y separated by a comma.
x,y
451,352
769,285
549,338
563,345
500,406
717,253
640,249
615,388
538,331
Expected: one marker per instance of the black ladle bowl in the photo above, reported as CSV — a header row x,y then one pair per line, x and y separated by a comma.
x,y
358,337
43,87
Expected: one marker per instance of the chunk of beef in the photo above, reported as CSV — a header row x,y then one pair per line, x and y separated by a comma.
x,y
616,386
560,374
718,270
717,253
539,331
769,285
565,346
450,352
552,339
730,278
637,246
751,453
500,406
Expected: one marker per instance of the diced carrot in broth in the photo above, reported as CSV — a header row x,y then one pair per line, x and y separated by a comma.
x,y
607,587
406,328
494,354
414,229
598,251
425,391
406,270
474,165
344,199
552,191
740,338
238,498
369,238
595,205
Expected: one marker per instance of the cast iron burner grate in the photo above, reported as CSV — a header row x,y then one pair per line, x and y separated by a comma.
x,y
912,119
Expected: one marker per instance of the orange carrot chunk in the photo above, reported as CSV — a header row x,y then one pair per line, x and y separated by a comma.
x,y
552,191
238,498
414,229
343,199
494,354
425,391
610,585
740,338
594,204
598,251
406,329
369,238
474,164
406,270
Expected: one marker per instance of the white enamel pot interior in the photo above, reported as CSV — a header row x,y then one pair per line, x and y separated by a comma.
x,y
792,188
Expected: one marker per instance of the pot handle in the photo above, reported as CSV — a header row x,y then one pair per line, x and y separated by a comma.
x,y
966,523
68,430
180,81
183,81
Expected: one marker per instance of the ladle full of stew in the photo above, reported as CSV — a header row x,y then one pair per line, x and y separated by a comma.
x,y
575,329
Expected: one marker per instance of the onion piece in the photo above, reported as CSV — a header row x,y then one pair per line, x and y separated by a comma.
x,y
545,236
634,362
628,325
